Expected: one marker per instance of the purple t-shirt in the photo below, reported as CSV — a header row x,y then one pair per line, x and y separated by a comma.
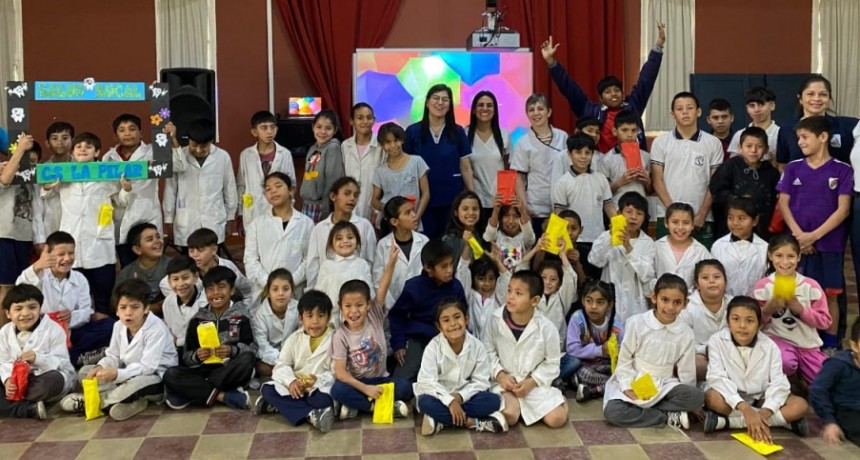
x,y
815,197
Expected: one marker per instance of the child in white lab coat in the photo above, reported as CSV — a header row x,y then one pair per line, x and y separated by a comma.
x,y
454,380
559,291
303,376
523,348
276,319
278,238
656,343
257,162
344,245
742,252
41,343
362,154
485,282
400,216
706,312
515,237
746,385
678,252
140,352
184,300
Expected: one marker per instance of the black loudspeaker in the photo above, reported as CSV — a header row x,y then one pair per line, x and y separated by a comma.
x,y
192,96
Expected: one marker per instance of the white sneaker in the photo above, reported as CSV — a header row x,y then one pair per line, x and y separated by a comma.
x,y
401,409
125,411
678,420
429,426
73,403
347,412
322,419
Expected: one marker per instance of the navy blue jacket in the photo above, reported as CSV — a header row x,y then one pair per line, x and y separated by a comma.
x,y
635,102
841,140
413,315
734,178
836,385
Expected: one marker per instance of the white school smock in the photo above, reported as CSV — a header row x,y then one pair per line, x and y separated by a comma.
x,y
177,317
702,321
487,161
317,247
271,331
143,202
772,132
738,381
444,372
685,268
48,341
201,196
21,213
534,355
687,166
404,269
361,169
745,263
481,310
632,273
296,358
512,249
586,194
337,271
250,179
613,165
52,212
82,204
652,347
543,165
268,246
149,352
556,307
72,293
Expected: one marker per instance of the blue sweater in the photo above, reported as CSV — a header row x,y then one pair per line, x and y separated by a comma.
x,y
841,140
413,316
836,385
635,102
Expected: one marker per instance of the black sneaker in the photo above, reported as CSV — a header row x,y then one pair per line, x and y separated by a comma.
x,y
800,427
176,402
37,411
711,420
262,407
91,358
322,419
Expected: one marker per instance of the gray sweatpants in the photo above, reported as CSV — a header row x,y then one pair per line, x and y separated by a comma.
x,y
142,386
682,398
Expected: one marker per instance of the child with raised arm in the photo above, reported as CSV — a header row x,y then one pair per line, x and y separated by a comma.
x,y
509,228
399,215
485,281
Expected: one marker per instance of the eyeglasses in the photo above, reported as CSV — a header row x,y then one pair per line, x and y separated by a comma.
x,y
441,99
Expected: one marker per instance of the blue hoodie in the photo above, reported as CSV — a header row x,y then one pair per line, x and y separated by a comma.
x,y
836,385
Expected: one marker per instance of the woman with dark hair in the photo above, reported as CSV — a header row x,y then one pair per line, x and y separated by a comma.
x,y
445,148
489,150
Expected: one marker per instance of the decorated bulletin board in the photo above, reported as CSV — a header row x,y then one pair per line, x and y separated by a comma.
x,y
19,94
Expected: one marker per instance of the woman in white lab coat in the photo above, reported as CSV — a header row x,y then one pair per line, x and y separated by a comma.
x,y
278,239
454,380
361,155
399,215
747,387
250,179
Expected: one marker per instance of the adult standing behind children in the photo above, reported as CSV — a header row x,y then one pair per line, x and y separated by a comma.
x,y
610,90
445,148
490,145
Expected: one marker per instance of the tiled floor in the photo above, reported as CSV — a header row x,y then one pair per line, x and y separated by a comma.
x,y
161,434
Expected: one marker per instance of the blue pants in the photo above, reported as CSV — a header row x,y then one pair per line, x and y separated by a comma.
x,y
350,397
90,336
101,281
569,365
435,220
478,406
125,254
296,410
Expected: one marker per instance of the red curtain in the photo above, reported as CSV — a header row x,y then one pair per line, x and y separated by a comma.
x,y
325,33
591,35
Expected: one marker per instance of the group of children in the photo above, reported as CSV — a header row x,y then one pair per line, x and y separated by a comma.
x,y
484,326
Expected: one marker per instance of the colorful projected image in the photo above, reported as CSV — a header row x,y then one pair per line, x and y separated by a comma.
x,y
395,83
305,106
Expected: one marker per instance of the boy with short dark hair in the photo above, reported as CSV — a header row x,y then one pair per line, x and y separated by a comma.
x,y
67,296
58,139
720,119
39,342
590,127
185,299
614,165
747,174
610,91
151,263
682,162
303,376
203,194
196,382
256,162
835,393
412,319
742,252
203,248
140,352
760,104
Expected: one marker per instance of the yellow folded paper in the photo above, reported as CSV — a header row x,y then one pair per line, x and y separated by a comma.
x,y
784,287
617,227
475,246
383,410
105,214
247,200
762,448
207,335
557,228
612,348
92,399
644,387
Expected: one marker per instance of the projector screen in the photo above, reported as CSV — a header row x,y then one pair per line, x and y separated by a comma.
x,y
395,83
